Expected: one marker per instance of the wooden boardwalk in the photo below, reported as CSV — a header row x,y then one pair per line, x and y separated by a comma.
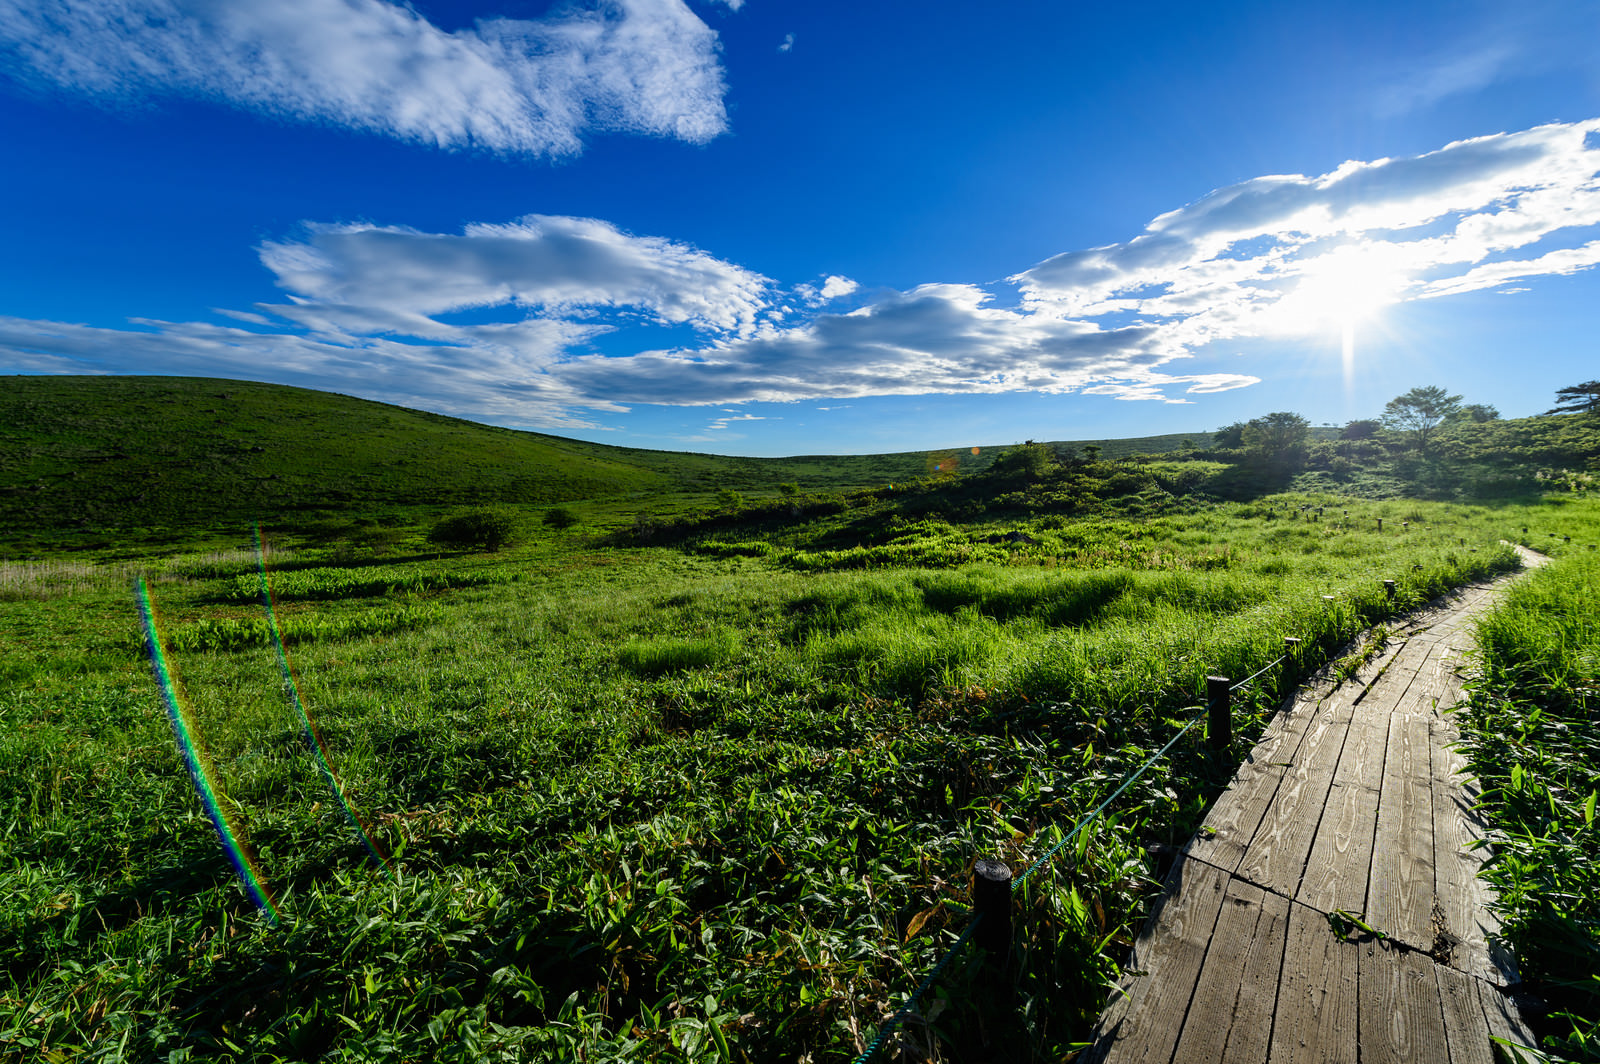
x,y
1353,801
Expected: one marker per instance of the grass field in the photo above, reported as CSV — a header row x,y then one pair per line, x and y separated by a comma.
x,y
717,800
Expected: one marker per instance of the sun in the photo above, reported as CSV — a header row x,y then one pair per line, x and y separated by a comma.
x,y
1342,289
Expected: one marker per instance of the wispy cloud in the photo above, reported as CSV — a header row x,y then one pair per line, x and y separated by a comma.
x,y
398,314
788,43
533,86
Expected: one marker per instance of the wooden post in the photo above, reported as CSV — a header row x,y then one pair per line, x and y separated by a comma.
x,y
1380,524
991,898
1291,661
1219,723
1388,589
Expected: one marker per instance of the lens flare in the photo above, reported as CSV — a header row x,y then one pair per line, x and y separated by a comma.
x,y
199,773
313,739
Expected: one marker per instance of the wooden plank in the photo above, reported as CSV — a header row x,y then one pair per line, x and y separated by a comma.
x,y
1465,1028
1315,1020
1144,1024
1276,856
1400,894
1402,1020
1216,993
1232,820
1503,1020
1464,938
1341,854
1258,990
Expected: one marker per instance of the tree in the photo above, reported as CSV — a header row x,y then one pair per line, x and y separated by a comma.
x,y
1420,411
1277,439
1230,435
1476,413
476,529
1361,429
1578,399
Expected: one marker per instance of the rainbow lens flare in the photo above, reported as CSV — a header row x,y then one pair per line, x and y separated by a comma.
x,y
199,773
313,739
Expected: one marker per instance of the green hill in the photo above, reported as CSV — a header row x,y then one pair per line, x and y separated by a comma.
x,y
105,452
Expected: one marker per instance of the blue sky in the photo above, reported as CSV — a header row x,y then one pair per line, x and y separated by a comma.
x,y
770,227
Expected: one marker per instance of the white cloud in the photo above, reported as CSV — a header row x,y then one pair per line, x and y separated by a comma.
x,y
398,314
788,43
835,287
1264,256
367,278
509,85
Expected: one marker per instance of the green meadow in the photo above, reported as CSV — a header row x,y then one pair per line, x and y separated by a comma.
x,y
702,776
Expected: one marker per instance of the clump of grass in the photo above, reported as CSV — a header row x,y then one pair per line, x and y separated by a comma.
x,y
658,655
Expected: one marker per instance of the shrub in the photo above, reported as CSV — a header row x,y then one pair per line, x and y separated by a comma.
x,y
560,517
475,530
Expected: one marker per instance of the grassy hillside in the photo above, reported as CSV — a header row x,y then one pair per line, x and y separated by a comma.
x,y
182,452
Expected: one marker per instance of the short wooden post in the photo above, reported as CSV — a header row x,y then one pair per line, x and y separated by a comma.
x,y
1291,660
1219,722
1380,524
991,899
1388,589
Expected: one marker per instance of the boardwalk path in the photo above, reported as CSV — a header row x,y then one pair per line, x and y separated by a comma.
x,y
1352,801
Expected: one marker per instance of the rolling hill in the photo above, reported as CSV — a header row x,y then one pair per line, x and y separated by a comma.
x,y
108,452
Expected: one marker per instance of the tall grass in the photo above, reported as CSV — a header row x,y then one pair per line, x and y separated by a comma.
x,y
645,804
1531,734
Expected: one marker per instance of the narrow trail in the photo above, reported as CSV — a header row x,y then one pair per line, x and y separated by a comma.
x,y
1328,910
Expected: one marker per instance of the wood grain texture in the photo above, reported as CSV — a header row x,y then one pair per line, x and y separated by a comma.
x,y
1277,853
1465,1029
1144,1026
1315,1021
1402,1019
1341,854
1216,994
1400,894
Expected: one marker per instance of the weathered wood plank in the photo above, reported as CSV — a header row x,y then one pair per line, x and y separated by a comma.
x,y
1400,895
1402,1020
1248,1040
1464,1027
1341,854
1502,1018
1232,820
1276,856
1466,924
1216,994
1315,1021
1144,1024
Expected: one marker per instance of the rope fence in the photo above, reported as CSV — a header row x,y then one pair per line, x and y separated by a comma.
x,y
993,884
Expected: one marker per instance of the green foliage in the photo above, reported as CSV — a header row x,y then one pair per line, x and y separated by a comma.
x,y
476,530
1277,439
658,803
1530,733
358,582
1420,411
